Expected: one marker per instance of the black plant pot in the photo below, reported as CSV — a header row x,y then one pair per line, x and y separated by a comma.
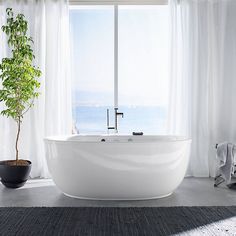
x,y
14,176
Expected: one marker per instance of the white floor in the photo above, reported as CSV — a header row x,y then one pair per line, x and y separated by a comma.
x,y
192,192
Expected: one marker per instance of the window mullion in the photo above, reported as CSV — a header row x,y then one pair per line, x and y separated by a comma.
x,y
116,56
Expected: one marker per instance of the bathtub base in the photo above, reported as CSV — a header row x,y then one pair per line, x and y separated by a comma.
x,y
118,199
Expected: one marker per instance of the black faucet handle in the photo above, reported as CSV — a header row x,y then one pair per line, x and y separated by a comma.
x,y
120,114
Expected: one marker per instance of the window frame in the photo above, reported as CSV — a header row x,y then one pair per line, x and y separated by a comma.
x,y
116,4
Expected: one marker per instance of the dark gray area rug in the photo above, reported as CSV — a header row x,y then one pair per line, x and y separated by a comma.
x,y
118,221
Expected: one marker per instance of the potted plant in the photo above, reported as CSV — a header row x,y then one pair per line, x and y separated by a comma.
x,y
18,89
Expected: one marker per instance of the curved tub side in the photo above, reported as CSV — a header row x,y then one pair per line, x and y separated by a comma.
x,y
119,171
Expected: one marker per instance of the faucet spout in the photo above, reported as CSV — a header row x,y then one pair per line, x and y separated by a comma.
x,y
108,121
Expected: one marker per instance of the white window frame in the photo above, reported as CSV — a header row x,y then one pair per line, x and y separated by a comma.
x,y
116,3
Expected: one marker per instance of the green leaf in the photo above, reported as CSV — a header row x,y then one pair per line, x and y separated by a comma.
x,y
18,74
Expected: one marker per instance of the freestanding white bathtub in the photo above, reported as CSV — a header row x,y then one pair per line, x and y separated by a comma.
x,y
117,167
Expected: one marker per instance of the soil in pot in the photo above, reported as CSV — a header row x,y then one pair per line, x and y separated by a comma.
x,y
14,174
17,163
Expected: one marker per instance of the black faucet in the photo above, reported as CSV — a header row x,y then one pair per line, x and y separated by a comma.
x,y
116,119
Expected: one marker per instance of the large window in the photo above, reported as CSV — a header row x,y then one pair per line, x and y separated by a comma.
x,y
92,38
142,67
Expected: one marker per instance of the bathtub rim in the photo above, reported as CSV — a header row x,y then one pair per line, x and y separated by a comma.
x,y
166,138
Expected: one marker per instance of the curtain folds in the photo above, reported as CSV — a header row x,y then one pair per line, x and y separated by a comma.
x,y
203,72
49,26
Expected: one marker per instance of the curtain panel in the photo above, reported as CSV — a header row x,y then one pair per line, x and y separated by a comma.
x,y
203,77
52,114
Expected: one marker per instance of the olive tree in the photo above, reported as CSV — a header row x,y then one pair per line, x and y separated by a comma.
x,y
19,86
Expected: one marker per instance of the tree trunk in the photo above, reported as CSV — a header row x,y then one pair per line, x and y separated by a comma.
x,y
17,139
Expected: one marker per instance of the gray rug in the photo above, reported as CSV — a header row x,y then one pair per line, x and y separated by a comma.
x,y
118,221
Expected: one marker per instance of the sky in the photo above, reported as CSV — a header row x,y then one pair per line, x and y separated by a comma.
x,y
143,55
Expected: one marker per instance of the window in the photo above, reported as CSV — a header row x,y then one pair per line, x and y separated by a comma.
x,y
92,38
142,52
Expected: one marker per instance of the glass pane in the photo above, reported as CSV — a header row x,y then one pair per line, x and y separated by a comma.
x,y
143,68
92,38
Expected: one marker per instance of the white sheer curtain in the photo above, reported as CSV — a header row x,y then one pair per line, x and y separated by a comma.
x,y
223,74
49,26
203,77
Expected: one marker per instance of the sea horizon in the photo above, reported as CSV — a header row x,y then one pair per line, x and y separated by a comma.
x,y
146,119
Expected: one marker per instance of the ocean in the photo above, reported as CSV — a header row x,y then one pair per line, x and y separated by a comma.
x,y
146,119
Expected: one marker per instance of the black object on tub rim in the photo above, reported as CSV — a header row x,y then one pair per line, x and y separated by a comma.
x,y
137,133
